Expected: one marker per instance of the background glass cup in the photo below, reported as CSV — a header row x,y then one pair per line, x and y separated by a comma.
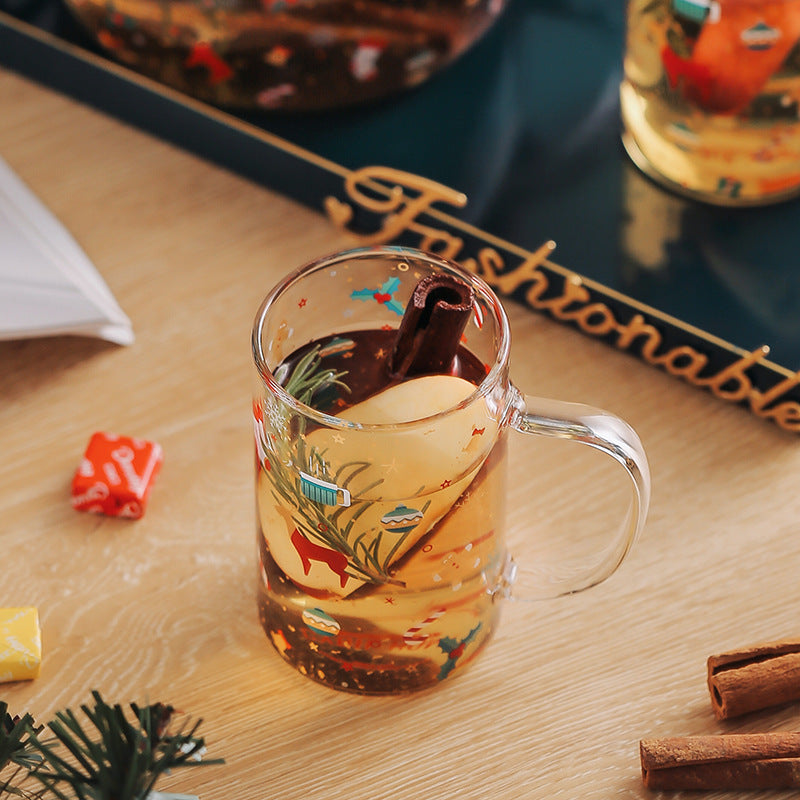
x,y
710,97
381,525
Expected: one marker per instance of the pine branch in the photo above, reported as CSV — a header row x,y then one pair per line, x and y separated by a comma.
x,y
16,735
17,752
118,756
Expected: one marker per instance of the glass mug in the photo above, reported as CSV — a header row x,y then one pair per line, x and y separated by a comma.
x,y
381,532
710,97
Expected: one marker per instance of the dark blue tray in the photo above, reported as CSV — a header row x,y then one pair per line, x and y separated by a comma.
x,y
526,124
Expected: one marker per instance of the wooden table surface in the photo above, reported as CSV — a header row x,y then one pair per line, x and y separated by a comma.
x,y
163,608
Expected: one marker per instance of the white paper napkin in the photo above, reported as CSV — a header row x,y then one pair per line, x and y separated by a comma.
x,y
48,286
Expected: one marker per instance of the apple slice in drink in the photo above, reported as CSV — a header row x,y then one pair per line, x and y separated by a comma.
x,y
411,473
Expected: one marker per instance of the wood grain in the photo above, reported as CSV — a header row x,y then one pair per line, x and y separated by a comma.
x,y
163,608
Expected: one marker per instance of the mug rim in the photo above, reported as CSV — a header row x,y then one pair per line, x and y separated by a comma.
x,y
484,389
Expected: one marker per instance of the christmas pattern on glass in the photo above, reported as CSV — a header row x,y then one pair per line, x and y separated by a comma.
x,y
373,526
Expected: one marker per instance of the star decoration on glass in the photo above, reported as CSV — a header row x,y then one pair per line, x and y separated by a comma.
x,y
391,467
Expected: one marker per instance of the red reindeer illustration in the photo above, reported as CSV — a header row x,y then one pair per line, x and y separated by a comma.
x,y
309,551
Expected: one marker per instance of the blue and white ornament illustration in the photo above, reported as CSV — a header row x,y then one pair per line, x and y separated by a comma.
x,y
401,519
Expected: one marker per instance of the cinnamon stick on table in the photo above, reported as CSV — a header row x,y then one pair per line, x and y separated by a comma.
x,y
731,761
757,677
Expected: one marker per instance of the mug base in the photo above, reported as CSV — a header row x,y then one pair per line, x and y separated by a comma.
x,y
360,656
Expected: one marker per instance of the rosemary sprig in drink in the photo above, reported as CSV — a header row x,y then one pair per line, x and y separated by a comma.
x,y
307,380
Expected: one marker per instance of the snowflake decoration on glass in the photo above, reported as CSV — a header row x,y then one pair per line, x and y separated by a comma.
x,y
275,416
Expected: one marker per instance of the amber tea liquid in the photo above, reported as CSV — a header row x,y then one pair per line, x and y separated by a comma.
x,y
374,580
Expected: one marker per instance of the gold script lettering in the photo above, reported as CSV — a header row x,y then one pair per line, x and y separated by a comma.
x,y
633,330
734,377
574,302
787,414
435,240
400,209
596,319
684,361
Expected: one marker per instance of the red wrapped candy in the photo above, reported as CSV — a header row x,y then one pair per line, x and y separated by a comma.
x,y
116,475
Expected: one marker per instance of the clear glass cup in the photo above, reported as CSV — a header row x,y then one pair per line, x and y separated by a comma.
x,y
381,517
710,97
287,55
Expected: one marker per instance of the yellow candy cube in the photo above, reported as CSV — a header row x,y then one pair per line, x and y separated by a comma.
x,y
20,644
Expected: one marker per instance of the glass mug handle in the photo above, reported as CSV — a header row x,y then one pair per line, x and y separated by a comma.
x,y
614,437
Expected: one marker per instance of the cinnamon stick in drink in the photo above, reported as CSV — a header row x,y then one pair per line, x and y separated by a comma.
x,y
731,761
757,677
430,331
